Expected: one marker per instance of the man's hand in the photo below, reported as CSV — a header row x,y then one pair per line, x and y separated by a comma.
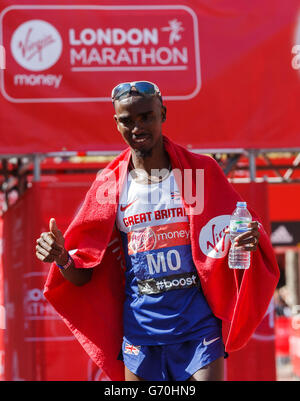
x,y
50,246
249,239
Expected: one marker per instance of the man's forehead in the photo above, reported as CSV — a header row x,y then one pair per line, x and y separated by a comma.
x,y
136,104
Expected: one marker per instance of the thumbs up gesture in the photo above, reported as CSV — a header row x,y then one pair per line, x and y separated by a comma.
x,y
50,245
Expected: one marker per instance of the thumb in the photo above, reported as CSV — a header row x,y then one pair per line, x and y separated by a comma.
x,y
53,228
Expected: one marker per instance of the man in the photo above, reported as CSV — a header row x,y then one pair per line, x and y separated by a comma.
x,y
176,291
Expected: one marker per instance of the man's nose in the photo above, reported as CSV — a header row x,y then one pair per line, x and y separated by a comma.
x,y
137,129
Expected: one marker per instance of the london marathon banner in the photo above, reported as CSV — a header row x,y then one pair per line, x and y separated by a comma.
x,y
229,73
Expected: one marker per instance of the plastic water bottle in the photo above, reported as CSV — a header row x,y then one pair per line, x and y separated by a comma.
x,y
240,218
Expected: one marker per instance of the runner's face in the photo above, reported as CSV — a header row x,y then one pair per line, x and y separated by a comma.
x,y
139,121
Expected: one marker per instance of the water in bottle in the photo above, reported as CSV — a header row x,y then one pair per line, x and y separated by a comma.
x,y
240,218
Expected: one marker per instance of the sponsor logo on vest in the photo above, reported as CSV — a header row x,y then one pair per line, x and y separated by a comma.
x,y
143,240
168,283
123,208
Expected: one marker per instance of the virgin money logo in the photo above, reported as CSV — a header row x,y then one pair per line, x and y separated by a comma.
x,y
101,43
140,241
213,241
36,45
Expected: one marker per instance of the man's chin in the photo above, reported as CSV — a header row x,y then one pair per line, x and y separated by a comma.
x,y
143,153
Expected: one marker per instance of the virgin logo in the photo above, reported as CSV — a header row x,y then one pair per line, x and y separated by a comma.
x,y
141,241
36,45
213,241
30,49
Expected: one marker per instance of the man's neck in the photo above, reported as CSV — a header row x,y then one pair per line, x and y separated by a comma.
x,y
158,159
154,164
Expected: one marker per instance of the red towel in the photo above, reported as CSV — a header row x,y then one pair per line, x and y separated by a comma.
x,y
93,312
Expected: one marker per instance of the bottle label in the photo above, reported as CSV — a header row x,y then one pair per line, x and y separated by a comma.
x,y
239,226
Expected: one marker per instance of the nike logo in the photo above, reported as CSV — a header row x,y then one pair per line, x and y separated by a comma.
x,y
210,341
123,208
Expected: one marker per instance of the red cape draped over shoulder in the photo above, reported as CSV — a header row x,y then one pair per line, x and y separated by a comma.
x,y
93,312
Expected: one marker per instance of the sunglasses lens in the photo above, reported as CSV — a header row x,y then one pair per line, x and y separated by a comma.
x,y
145,87
121,90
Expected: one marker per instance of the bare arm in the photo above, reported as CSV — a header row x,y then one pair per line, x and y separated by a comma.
x,y
50,248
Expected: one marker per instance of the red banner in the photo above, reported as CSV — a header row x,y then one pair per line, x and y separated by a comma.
x,y
229,72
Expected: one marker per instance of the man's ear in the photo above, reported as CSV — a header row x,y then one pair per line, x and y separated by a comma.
x,y
164,114
116,121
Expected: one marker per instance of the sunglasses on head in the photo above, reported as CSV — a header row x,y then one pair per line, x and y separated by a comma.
x,y
142,87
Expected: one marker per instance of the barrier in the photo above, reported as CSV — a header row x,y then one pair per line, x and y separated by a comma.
x,y
256,361
294,342
2,308
38,345
283,332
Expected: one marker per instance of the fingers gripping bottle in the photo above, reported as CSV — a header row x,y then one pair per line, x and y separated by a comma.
x,y
239,220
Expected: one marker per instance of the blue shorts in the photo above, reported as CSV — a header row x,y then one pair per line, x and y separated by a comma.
x,y
173,361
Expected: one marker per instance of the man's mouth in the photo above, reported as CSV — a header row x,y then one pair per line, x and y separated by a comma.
x,y
140,139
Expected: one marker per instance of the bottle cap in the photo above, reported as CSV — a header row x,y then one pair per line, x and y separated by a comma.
x,y
241,204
